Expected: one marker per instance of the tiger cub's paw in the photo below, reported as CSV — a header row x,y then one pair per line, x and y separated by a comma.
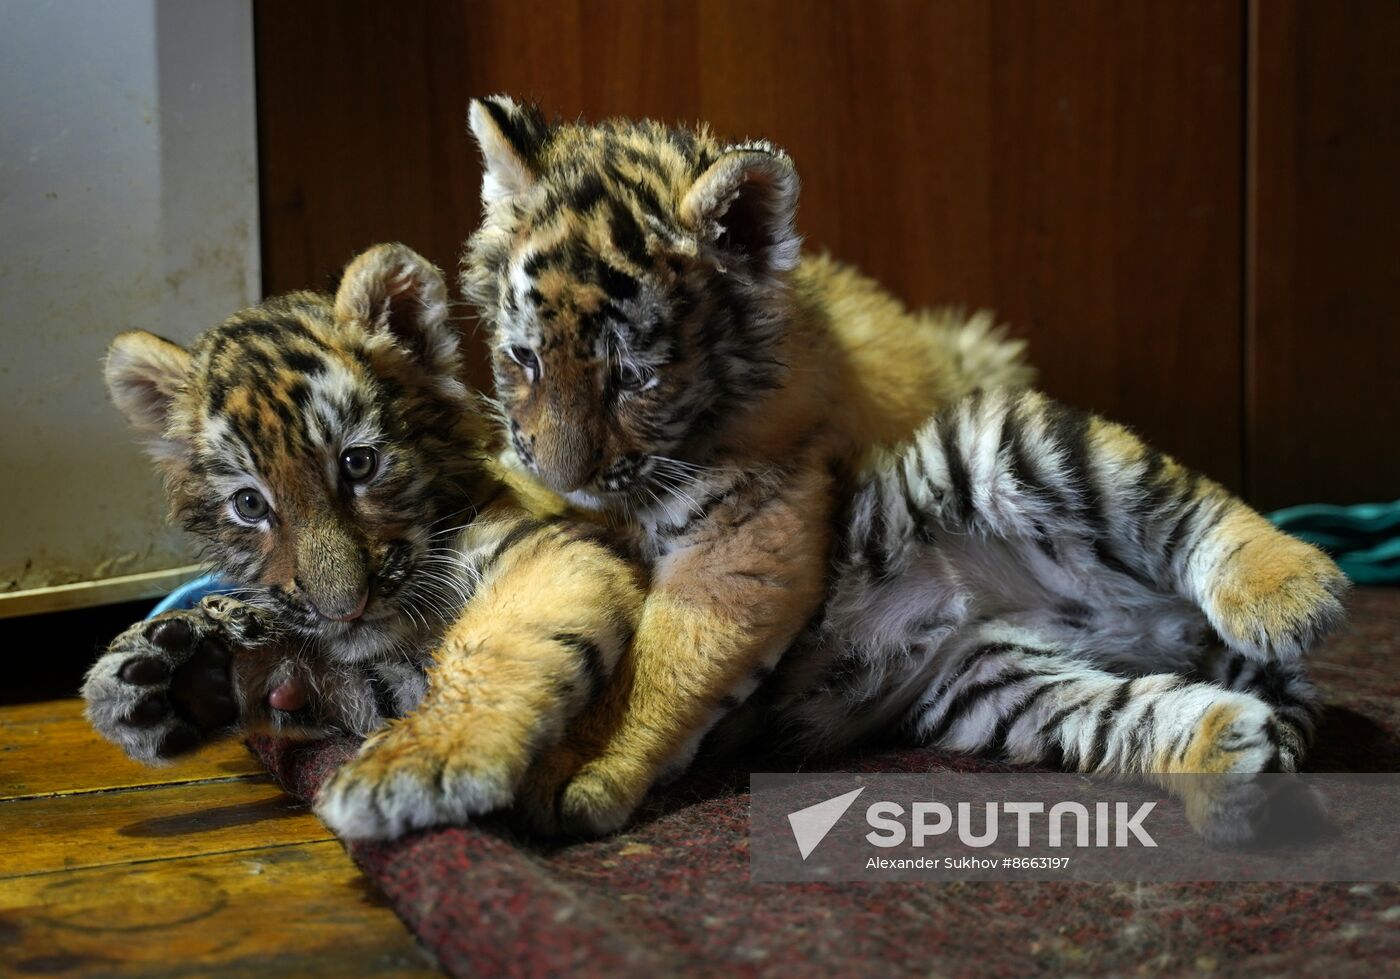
x,y
1233,776
600,799
400,782
163,687
1240,809
538,799
1275,597
565,794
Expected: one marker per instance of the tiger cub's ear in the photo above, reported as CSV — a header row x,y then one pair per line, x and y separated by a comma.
x,y
745,205
144,373
391,289
511,137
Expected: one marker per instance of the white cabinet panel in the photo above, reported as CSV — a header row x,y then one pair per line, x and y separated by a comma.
x,y
128,198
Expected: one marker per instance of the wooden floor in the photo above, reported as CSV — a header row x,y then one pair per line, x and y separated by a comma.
x,y
205,867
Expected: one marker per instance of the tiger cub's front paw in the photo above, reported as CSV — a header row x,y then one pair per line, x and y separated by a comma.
x,y
1275,597
600,798
567,794
163,687
595,803
571,798
400,782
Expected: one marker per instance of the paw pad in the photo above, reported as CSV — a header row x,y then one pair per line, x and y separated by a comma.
x,y
171,635
162,687
144,671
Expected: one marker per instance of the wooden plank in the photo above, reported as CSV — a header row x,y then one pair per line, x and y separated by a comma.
x,y
50,749
1324,334
301,910
103,828
1076,166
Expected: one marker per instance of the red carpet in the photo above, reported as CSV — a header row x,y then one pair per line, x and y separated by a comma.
x,y
671,896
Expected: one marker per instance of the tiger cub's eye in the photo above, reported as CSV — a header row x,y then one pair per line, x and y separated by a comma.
x,y
250,505
630,378
358,463
527,360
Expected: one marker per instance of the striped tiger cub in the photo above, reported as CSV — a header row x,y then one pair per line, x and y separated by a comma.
x,y
665,356
1017,579
327,456
1032,583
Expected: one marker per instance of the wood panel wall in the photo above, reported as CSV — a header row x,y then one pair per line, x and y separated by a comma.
x,y
1324,384
1080,167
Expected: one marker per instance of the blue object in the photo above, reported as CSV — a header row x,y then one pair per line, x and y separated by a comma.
x,y
188,595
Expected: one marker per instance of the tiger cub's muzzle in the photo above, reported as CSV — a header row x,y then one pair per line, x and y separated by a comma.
x,y
332,572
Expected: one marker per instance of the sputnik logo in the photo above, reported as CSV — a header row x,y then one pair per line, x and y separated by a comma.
x,y
810,825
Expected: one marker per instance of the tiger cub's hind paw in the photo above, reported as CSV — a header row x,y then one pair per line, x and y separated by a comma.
x,y
1242,809
1275,597
1235,776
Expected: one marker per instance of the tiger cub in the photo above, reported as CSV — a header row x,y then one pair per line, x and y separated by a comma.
x,y
1031,583
334,466
663,355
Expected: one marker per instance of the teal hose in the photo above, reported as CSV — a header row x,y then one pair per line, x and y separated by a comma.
x,y
1363,539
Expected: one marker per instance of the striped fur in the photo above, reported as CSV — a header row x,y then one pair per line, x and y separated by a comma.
x,y
665,356
355,582
1022,579
1032,583
1018,579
